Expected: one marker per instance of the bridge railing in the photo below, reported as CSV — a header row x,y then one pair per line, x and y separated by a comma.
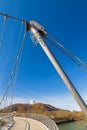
x,y
6,120
6,115
48,122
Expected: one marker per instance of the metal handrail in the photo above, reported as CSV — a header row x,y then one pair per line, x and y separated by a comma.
x,y
8,119
48,122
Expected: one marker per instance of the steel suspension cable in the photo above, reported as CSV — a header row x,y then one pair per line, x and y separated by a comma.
x,y
3,30
16,73
68,53
13,87
61,50
19,38
12,17
14,68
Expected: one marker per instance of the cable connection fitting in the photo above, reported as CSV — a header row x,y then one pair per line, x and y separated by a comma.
x,y
38,27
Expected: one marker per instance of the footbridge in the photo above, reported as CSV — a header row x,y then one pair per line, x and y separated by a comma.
x,y
29,121
39,36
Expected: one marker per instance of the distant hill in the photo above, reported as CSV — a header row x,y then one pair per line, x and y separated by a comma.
x,y
37,107
59,115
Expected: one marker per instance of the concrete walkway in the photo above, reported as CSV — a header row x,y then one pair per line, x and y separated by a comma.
x,y
36,125
23,124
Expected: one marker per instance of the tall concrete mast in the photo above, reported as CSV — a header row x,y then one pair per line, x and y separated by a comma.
x,y
39,33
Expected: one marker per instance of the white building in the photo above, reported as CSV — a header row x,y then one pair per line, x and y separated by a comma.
x,y
32,102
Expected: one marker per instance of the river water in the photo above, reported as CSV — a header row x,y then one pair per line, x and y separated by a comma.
x,y
78,125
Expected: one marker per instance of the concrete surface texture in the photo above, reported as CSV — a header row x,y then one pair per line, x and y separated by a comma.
x,y
25,123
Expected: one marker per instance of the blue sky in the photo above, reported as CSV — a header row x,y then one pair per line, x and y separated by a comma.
x,y
65,20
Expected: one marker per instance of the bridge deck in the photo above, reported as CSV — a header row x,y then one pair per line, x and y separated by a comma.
x,y
22,124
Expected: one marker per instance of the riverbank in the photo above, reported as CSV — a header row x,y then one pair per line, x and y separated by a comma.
x,y
64,121
61,117
58,115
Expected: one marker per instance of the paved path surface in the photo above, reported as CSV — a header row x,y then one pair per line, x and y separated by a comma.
x,y
23,124
36,125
